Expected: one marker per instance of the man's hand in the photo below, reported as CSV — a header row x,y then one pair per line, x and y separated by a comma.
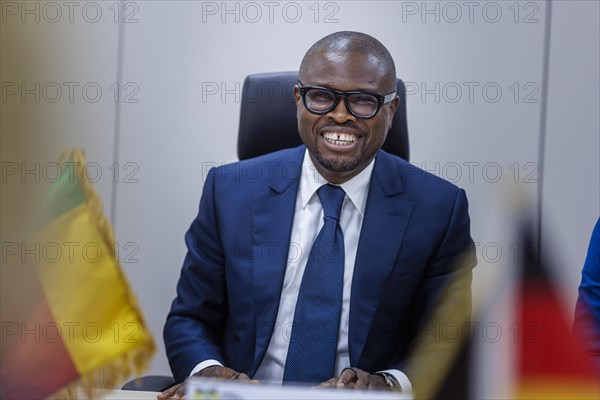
x,y
215,371
219,372
354,378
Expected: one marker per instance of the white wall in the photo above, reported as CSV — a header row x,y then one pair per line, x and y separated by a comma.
x,y
57,71
571,191
176,129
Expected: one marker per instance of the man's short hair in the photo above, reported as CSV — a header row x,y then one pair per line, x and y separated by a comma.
x,y
348,41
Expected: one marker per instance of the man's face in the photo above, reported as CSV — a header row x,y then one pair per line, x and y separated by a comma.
x,y
338,160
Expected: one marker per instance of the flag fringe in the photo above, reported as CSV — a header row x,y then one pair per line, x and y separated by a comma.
x,y
93,384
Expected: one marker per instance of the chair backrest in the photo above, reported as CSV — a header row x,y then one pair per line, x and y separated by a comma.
x,y
268,117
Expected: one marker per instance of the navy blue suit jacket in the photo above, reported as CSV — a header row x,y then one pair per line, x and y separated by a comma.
x,y
587,311
415,230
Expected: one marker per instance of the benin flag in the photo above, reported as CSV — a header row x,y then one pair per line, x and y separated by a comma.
x,y
72,324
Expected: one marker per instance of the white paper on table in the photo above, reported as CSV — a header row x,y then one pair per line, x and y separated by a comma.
x,y
214,389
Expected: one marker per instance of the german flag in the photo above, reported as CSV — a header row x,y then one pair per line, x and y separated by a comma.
x,y
70,322
518,345
551,362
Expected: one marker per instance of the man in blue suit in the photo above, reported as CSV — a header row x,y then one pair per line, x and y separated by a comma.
x,y
406,250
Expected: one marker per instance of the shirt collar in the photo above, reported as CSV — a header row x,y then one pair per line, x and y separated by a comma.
x,y
356,188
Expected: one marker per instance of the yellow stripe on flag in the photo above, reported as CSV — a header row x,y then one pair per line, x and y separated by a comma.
x,y
557,388
85,292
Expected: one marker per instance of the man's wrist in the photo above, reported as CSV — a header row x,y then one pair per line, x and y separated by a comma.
x,y
401,378
391,381
204,364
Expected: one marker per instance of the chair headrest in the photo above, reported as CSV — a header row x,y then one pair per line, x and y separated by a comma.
x,y
268,117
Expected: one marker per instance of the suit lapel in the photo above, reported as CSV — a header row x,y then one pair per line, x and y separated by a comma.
x,y
385,221
273,214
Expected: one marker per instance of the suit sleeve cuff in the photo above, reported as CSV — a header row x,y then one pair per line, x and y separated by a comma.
x,y
401,378
205,364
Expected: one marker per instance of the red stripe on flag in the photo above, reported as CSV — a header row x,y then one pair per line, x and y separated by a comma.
x,y
548,350
35,360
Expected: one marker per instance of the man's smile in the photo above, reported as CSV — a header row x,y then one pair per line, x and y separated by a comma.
x,y
339,139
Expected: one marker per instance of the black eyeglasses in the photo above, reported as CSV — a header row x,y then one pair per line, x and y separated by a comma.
x,y
319,100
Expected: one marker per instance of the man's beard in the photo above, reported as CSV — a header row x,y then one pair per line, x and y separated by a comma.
x,y
336,165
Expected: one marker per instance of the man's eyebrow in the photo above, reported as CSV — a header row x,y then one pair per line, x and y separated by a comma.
x,y
325,85
329,85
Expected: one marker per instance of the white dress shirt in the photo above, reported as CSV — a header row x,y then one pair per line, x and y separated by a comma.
x,y
308,220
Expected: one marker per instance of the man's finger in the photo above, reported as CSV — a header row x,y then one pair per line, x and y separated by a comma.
x,y
347,378
348,375
180,393
362,382
327,384
246,379
169,393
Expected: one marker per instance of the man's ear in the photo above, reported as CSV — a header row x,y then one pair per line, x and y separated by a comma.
x,y
297,97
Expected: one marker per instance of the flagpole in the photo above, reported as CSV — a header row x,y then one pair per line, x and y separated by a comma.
x,y
543,120
117,128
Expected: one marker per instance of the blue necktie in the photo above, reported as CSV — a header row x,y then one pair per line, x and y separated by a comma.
x,y
313,344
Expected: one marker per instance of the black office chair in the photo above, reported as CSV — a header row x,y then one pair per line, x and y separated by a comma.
x,y
268,117
150,383
268,123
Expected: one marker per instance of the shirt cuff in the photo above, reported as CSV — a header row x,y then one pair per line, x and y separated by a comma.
x,y
211,363
401,378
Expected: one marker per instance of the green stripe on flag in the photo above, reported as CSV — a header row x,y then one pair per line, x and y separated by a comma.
x,y
64,194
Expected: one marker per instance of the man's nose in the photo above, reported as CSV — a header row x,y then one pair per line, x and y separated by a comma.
x,y
340,113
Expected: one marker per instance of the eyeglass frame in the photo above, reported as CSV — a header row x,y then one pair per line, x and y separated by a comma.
x,y
381,99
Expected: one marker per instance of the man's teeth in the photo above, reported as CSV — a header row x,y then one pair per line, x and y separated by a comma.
x,y
339,138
